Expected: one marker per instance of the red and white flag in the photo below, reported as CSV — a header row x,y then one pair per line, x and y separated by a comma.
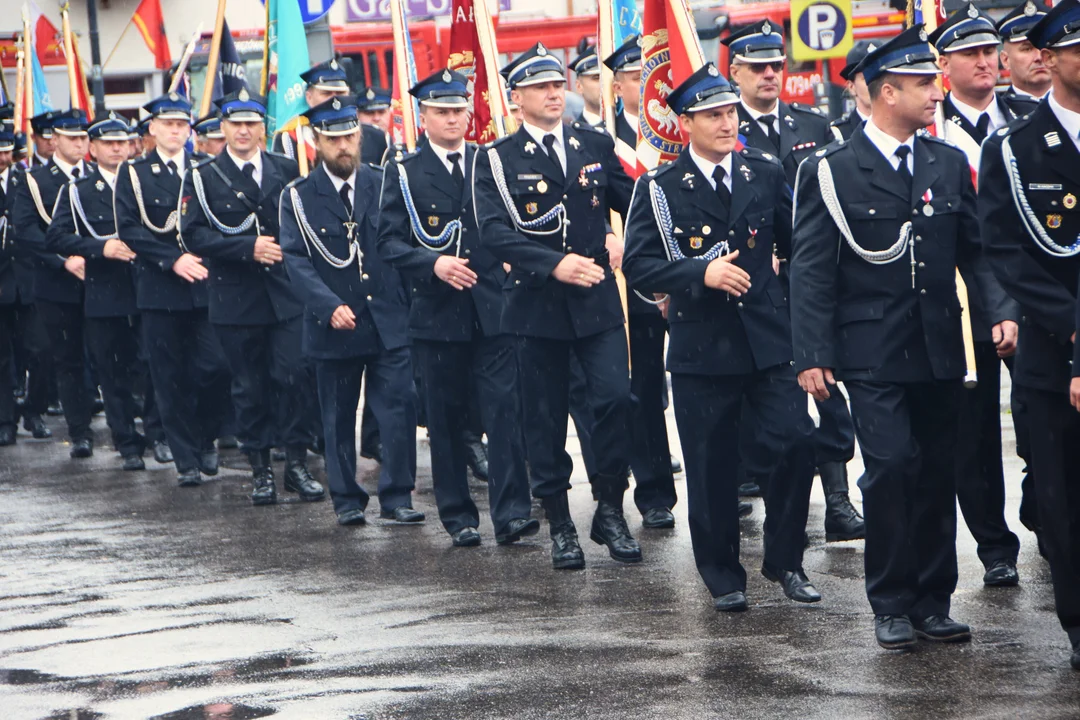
x,y
467,58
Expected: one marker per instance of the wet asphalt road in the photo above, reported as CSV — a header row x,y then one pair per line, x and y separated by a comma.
x,y
122,596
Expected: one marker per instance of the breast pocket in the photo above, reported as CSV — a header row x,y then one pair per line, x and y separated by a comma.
x,y
594,181
435,214
694,239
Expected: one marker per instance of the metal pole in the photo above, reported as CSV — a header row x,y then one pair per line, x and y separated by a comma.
x,y
97,80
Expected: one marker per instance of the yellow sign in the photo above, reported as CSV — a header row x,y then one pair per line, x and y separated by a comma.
x,y
820,29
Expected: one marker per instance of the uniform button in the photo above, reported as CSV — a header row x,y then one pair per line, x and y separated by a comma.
x,y
918,238
873,211
731,233
564,197
923,291
517,282
464,230
569,248
914,212
369,298
679,314
740,305
567,223
365,276
468,252
922,264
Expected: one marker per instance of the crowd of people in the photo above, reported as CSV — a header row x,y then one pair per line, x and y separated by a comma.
x,y
475,291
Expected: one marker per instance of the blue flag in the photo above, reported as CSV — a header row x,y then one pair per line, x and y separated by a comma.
x,y
288,52
627,19
230,76
42,100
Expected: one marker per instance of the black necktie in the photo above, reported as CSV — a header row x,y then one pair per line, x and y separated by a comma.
x,y
75,172
249,172
981,127
172,167
549,143
774,137
902,169
722,192
344,193
455,173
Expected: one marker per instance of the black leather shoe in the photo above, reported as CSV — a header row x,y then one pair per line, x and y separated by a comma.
x,y
162,452
34,425
609,528
517,529
402,514
82,449
795,583
731,602
476,455
676,466
745,509
658,518
1001,573
566,553
894,632
189,478
351,517
750,489
263,492
466,537
299,481
133,463
942,628
7,435
208,462
374,453
842,521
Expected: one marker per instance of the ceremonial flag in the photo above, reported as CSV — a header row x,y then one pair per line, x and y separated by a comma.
x,y
467,57
42,32
670,53
626,20
42,99
151,25
230,75
288,57
406,111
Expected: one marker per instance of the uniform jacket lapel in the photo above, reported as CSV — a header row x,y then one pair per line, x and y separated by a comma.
x,y
926,172
272,181
535,156
697,188
574,155
466,190
332,199
751,130
742,188
437,174
880,171
789,126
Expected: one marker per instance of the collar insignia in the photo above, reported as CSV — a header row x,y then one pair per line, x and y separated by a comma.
x,y
530,147
100,185
1052,139
573,142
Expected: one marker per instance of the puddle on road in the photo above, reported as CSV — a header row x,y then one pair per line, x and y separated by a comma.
x,y
19,676
216,711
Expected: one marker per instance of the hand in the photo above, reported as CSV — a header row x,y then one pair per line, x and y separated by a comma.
x,y
267,251
1074,393
723,274
663,303
578,270
816,381
190,268
343,318
1005,334
76,266
117,250
454,272
615,249
775,265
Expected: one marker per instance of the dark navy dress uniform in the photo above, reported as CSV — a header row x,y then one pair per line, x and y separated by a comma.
x,y
9,294
82,224
1029,180
58,295
843,127
254,309
190,378
891,331
328,269
457,340
725,349
980,478
1013,28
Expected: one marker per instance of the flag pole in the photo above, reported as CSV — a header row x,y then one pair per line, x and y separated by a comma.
x,y
120,39
69,57
181,67
28,85
212,63
266,51
20,90
485,34
401,71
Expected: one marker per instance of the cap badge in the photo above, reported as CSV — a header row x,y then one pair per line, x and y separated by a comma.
x,y
334,64
870,48
540,49
922,35
713,71
174,97
1029,8
336,104
766,28
446,76
244,97
370,94
972,12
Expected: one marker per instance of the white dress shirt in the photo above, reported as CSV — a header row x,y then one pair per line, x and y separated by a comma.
x,y
256,161
4,178
997,119
775,112
68,168
178,160
338,182
538,136
887,145
442,153
1069,120
591,118
707,167
109,177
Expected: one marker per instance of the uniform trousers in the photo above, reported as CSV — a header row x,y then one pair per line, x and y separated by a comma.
x,y
980,479
1055,452
7,367
453,374
708,412
392,399
64,329
544,370
29,345
190,379
271,391
114,345
907,433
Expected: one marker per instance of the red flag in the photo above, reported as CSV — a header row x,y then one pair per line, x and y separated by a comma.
x,y
670,53
151,24
467,57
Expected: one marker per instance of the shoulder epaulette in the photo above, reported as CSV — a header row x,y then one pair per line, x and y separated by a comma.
x,y
1020,122
377,168
658,171
807,109
297,181
498,141
406,156
203,163
753,153
579,125
831,149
